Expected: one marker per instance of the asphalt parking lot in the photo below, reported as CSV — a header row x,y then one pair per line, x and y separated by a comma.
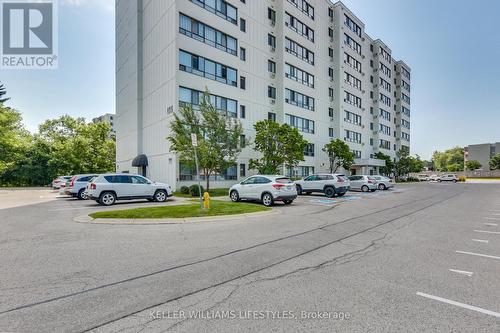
x,y
421,257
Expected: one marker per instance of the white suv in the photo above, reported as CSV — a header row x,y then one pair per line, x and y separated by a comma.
x,y
106,189
448,178
329,184
267,189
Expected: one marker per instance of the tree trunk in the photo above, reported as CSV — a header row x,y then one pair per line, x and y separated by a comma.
x,y
207,175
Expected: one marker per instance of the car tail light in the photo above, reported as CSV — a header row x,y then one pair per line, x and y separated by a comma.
x,y
72,182
278,186
92,186
340,180
370,181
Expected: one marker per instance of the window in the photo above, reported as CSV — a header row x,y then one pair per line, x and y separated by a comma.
x,y
299,27
356,153
352,81
193,97
330,132
353,63
352,136
271,92
304,6
220,8
297,74
206,34
405,136
271,41
330,93
188,173
243,141
299,51
384,129
385,55
242,82
271,15
330,52
405,98
330,72
242,111
271,66
309,150
330,12
371,142
386,85
243,54
405,73
352,118
385,100
385,115
243,25
330,33
405,85
352,99
384,144
352,25
384,69
298,99
271,116
302,124
242,170
209,69
330,112
405,111
405,123
352,44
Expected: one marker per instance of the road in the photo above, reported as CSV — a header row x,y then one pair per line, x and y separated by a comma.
x,y
423,257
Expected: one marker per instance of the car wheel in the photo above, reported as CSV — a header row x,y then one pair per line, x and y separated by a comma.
x,y
81,195
382,187
299,190
267,200
329,192
107,198
365,188
235,197
288,202
439,180
160,196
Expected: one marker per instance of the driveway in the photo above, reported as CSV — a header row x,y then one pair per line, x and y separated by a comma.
x,y
423,257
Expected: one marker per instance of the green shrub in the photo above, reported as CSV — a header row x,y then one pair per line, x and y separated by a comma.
x,y
185,190
462,179
193,189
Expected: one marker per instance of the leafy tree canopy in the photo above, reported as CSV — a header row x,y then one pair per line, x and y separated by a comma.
x,y
339,155
473,165
495,162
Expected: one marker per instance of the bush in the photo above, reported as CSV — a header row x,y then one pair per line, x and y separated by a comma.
x,y
185,190
193,189
462,179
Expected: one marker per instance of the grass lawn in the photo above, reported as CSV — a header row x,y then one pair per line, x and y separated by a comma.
x,y
217,192
193,210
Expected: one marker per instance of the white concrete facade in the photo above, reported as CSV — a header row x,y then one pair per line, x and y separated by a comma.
x,y
153,77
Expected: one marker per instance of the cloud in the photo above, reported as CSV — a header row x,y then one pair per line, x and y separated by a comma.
x,y
105,4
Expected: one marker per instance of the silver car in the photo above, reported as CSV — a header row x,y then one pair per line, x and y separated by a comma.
x,y
384,183
78,185
363,183
266,189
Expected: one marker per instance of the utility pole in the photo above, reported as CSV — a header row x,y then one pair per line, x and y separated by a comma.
x,y
194,142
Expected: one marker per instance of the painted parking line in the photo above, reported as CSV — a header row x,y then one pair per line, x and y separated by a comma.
x,y
461,305
488,232
461,272
481,240
478,254
491,224
492,218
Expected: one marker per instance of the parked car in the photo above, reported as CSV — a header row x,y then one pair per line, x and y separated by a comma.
x,y
329,184
56,183
267,189
106,189
63,186
363,183
77,186
423,178
433,178
448,178
384,183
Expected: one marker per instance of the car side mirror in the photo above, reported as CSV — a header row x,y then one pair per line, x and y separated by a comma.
x,y
149,183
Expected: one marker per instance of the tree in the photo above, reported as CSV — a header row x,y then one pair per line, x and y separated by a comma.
x,y
339,155
495,162
416,164
13,137
403,164
218,137
450,160
389,163
279,145
2,93
473,165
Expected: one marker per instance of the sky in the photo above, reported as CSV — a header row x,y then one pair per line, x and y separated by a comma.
x,y
452,47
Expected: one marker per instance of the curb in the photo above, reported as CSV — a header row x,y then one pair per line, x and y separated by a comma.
x,y
89,220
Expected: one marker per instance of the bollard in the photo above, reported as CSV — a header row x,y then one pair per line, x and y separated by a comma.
x,y
206,200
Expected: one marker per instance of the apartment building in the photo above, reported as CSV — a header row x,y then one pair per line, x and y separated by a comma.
x,y
307,63
106,118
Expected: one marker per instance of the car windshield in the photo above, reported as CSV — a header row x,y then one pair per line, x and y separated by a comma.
x,y
283,180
